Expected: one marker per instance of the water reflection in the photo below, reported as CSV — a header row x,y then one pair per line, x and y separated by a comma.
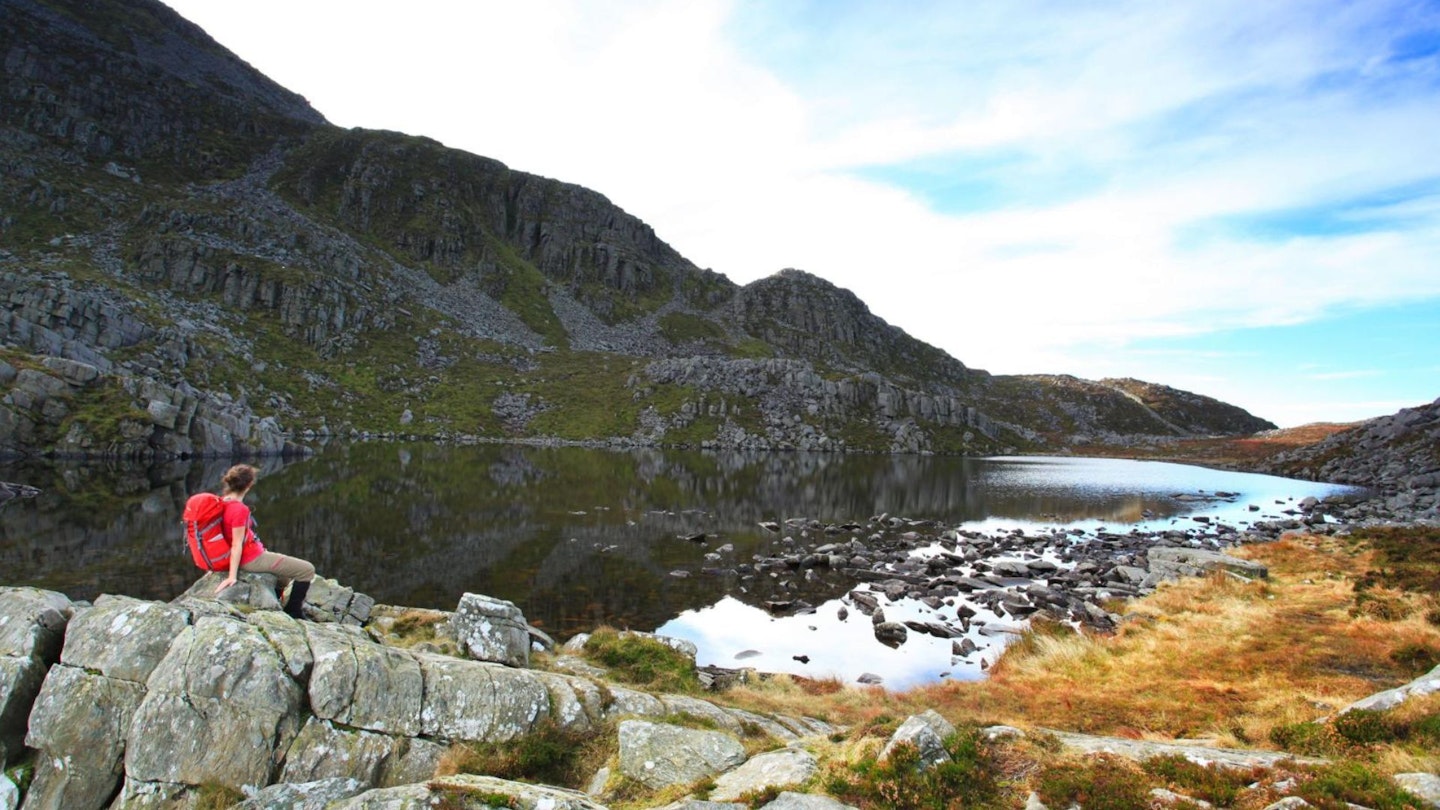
x,y
577,537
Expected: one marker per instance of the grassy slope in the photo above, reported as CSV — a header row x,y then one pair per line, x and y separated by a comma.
x,y
1232,663
1238,664
1237,452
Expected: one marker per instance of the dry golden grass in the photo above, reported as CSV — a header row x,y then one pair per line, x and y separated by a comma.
x,y
1229,451
1211,658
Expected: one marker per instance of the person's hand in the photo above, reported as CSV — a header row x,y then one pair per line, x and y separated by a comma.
x,y
222,586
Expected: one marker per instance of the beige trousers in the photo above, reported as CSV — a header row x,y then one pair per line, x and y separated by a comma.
x,y
286,569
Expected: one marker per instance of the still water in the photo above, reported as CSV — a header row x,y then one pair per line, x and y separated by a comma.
x,y
581,537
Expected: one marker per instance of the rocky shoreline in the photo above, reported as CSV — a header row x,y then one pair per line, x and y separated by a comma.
x,y
994,582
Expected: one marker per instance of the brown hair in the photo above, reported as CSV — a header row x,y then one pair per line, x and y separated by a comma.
x,y
239,478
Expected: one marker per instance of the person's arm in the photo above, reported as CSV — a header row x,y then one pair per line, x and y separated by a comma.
x,y
237,545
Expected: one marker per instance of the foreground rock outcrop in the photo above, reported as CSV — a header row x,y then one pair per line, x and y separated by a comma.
x,y
129,703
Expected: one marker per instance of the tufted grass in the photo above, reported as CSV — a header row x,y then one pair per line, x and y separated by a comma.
x,y
643,662
1247,665
215,796
969,779
550,754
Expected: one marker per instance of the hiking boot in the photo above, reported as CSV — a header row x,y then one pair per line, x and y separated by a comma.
x,y
295,605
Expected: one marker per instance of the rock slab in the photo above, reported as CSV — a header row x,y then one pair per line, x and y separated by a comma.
x,y
789,766
659,755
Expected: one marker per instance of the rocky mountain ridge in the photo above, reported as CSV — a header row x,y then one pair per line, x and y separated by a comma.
x,y
221,270
1397,455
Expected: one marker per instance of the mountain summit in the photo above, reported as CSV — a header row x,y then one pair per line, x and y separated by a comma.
x,y
195,262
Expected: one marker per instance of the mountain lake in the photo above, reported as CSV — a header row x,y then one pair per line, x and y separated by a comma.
x,y
580,537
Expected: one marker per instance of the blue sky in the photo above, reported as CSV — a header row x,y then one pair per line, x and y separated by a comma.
x,y
1236,198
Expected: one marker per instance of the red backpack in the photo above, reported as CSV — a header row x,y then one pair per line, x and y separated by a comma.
x,y
205,535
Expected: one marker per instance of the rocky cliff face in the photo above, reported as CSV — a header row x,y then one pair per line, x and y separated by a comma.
x,y
195,263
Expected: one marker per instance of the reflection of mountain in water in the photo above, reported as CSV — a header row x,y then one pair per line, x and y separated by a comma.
x,y
574,536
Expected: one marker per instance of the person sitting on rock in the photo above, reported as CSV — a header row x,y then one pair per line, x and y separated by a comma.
x,y
246,553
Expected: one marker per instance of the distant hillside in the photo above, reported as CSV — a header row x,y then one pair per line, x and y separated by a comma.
x,y
194,262
1063,410
1399,452
1190,413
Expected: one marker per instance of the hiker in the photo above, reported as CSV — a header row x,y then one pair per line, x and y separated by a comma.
x,y
246,553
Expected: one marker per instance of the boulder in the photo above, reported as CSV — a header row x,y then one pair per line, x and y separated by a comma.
x,y
927,732
32,623
329,601
123,638
220,708
362,684
625,701
9,794
493,630
288,638
1425,786
576,704
79,724
891,633
659,755
32,630
324,753
140,795
1173,561
788,766
253,591
470,700
704,709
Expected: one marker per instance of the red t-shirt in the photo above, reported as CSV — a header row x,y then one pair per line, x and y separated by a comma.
x,y
238,514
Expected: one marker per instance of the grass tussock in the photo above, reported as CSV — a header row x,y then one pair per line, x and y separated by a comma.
x,y
549,755
215,796
1212,657
969,779
643,662
1243,664
409,628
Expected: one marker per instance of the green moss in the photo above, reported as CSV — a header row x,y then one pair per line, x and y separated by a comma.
x,y
22,771
460,797
860,434
105,412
